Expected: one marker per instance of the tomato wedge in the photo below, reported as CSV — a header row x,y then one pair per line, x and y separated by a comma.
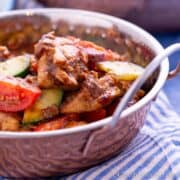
x,y
16,94
94,115
90,47
58,123
111,108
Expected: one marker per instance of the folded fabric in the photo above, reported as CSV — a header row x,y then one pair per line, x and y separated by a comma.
x,y
153,154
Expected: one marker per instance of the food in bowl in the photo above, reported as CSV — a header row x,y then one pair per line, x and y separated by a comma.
x,y
65,82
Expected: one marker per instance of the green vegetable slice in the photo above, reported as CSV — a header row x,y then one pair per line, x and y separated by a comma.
x,y
45,107
17,66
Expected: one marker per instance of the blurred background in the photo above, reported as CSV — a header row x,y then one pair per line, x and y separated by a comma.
x,y
159,17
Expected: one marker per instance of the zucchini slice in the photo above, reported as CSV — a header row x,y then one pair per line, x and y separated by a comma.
x,y
47,106
123,70
17,66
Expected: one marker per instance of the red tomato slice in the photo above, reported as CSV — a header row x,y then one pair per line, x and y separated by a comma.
x,y
16,94
111,108
57,123
94,115
52,125
98,51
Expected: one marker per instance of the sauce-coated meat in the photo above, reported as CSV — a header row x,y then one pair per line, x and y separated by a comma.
x,y
65,62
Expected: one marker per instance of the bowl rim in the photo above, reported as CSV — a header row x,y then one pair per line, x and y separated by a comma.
x,y
164,69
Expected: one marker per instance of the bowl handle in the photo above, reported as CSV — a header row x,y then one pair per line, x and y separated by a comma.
x,y
91,137
148,71
174,72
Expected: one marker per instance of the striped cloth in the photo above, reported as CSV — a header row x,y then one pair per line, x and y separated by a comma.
x,y
153,154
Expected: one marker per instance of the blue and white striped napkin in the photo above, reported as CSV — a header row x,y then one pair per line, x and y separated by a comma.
x,y
153,154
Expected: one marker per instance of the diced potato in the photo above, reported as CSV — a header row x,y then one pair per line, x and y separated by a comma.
x,y
10,125
9,121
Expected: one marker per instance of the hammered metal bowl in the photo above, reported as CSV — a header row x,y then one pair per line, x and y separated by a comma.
x,y
60,152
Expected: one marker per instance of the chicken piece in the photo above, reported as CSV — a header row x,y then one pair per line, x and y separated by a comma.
x,y
94,94
9,121
139,94
59,62
33,64
66,61
44,77
4,53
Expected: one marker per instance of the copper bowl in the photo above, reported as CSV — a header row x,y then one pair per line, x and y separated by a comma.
x,y
60,152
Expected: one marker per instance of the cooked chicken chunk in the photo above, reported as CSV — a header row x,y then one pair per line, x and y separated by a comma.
x,y
94,94
4,53
60,62
65,61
